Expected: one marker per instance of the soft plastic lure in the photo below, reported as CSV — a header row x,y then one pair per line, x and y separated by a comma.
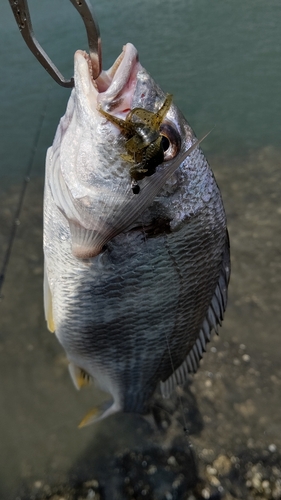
x,y
145,145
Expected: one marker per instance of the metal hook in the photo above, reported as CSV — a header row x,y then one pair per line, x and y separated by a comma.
x,y
22,16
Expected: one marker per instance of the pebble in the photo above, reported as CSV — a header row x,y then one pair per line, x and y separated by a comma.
x,y
91,484
236,362
223,465
211,470
152,469
205,493
172,461
246,409
38,484
169,496
272,447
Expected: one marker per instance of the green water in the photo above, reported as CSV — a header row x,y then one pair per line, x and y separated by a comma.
x,y
221,60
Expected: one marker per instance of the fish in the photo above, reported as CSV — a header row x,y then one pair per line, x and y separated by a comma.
x,y
136,248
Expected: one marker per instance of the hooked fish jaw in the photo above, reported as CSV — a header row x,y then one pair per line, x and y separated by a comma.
x,y
114,88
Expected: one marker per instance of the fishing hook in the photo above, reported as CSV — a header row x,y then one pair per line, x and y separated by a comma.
x,y
21,12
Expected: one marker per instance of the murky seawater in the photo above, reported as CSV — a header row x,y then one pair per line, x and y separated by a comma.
x,y
222,62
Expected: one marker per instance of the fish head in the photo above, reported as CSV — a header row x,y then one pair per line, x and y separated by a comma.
x,y
116,149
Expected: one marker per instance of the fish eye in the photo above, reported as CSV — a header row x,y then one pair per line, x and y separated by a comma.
x,y
171,141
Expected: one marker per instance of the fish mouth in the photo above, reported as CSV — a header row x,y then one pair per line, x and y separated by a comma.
x,y
114,88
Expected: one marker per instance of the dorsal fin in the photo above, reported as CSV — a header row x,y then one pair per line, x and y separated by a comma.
x,y
213,318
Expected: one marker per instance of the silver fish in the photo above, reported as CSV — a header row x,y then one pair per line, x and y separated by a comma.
x,y
135,279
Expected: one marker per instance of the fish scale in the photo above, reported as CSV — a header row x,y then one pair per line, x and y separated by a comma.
x,y
140,324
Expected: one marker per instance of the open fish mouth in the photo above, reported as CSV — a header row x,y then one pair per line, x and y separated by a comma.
x,y
114,88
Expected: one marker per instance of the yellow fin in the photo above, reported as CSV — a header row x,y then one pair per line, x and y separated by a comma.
x,y
89,417
99,413
48,304
50,322
79,377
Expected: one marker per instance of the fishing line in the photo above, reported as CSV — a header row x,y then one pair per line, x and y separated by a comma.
x,y
16,220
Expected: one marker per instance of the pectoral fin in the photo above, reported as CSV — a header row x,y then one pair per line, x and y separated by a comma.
x,y
48,306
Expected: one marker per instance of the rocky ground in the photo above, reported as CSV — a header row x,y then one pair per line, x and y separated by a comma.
x,y
219,437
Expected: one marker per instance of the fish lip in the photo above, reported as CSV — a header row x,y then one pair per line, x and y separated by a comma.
x,y
123,78
114,88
